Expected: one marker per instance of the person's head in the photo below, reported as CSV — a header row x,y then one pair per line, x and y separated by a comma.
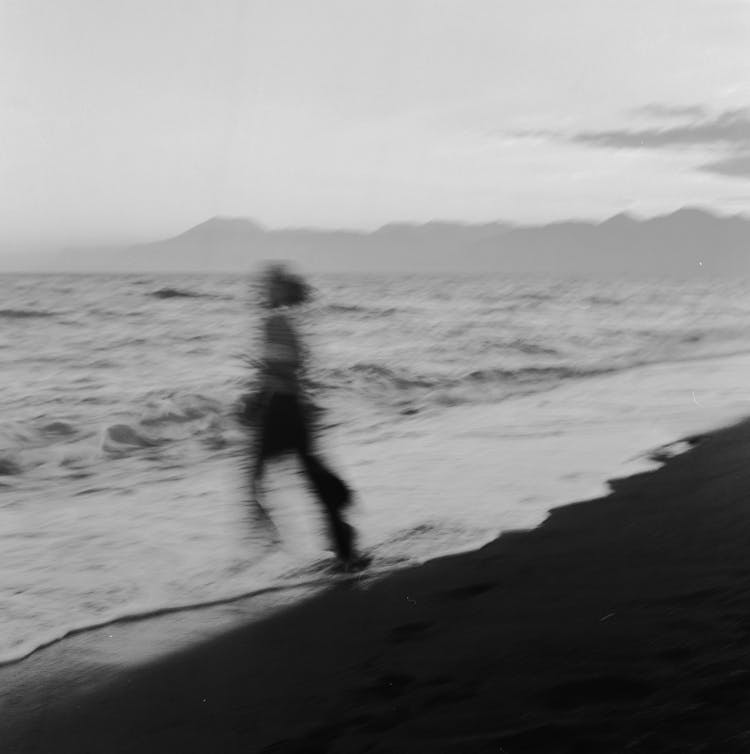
x,y
283,288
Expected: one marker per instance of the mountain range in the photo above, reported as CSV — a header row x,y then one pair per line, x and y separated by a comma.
x,y
690,242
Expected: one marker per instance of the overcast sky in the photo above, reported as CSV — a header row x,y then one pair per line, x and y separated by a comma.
x,y
135,120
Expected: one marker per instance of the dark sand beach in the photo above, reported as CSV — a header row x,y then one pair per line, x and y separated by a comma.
x,y
620,624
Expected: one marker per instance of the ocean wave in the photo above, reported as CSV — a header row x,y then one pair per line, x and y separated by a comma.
x,y
122,436
359,309
308,579
25,313
536,296
59,428
372,373
9,466
177,293
693,337
533,349
378,375
599,300
179,409
537,374
154,422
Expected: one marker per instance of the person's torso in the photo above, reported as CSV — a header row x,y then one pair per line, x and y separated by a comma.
x,y
282,355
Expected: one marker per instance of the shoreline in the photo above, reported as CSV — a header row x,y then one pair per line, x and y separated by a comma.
x,y
625,456
619,623
645,461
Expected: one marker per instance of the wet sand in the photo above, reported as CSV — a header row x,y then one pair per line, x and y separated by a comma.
x,y
620,624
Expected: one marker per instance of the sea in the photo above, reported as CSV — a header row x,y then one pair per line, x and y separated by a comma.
x,y
457,407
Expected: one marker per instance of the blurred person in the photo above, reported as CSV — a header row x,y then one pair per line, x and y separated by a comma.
x,y
281,415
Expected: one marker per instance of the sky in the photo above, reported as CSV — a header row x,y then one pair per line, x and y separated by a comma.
x,y
130,121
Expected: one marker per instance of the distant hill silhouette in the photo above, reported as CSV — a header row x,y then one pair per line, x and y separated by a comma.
x,y
687,243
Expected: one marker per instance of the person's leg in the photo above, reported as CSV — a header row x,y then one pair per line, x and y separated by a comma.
x,y
266,444
335,496
261,446
330,490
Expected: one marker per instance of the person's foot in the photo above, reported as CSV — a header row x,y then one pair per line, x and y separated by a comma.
x,y
354,564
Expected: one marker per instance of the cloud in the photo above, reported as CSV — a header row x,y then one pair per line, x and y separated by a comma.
x,y
690,129
734,167
725,135
729,129
657,110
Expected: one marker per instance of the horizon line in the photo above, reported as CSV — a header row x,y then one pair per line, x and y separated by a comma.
x,y
7,249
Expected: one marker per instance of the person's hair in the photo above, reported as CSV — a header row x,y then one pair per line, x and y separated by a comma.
x,y
295,290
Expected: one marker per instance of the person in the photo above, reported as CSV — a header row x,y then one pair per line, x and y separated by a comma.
x,y
282,417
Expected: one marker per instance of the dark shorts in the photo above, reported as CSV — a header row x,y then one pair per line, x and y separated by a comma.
x,y
283,425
